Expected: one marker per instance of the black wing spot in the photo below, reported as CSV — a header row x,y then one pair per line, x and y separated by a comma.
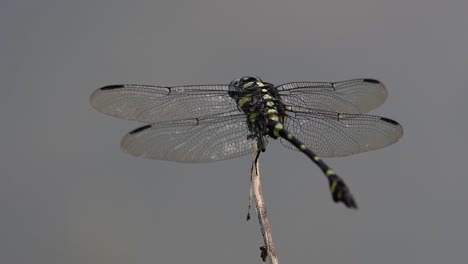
x,y
388,120
371,81
112,87
138,130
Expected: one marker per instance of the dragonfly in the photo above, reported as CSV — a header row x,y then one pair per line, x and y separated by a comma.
x,y
205,123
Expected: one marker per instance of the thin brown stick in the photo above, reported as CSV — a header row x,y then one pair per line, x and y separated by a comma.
x,y
269,249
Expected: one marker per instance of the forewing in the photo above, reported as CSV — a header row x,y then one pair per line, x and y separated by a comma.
x,y
357,96
194,140
331,134
154,104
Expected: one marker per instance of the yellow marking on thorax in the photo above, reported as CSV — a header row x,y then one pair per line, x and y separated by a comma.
x,y
329,172
253,116
274,118
247,85
243,100
272,112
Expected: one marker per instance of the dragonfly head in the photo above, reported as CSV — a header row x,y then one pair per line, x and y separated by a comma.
x,y
243,83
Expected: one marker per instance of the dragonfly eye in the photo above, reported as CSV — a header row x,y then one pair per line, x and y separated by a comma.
x,y
235,83
246,81
251,79
234,88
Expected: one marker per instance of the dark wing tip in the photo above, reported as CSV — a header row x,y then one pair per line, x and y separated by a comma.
x,y
138,130
112,87
371,81
388,120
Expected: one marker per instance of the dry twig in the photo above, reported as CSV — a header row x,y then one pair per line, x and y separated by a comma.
x,y
267,251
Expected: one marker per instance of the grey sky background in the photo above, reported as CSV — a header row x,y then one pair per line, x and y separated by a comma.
x,y
68,194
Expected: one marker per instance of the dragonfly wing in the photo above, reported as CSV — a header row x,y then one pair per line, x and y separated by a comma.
x,y
331,134
154,104
357,96
192,140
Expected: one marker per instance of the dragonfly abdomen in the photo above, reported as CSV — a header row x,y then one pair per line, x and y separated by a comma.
x,y
340,192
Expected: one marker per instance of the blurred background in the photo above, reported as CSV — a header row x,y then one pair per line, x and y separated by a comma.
x,y
68,194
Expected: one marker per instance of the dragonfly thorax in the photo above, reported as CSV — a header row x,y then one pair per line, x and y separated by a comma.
x,y
260,102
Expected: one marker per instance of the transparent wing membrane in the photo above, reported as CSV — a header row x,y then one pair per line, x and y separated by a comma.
x,y
357,96
331,134
200,123
153,104
195,140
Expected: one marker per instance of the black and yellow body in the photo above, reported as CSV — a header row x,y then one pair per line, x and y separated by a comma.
x,y
265,114
212,122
